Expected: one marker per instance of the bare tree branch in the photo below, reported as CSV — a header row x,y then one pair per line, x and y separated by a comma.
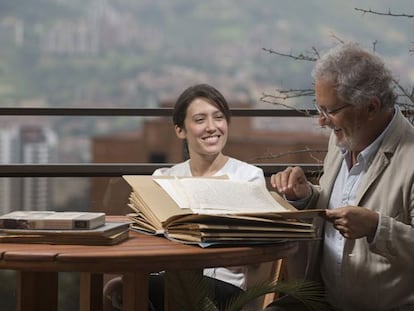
x,y
281,96
389,13
291,93
408,107
295,57
287,153
374,46
316,52
404,91
334,36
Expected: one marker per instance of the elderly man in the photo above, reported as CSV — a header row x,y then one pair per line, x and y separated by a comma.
x,y
367,256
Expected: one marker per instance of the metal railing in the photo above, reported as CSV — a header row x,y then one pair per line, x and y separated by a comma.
x,y
119,169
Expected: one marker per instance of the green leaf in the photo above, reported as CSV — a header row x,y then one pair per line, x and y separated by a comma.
x,y
191,292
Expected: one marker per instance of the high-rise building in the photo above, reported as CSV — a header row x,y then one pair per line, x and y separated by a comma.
x,y
32,145
5,183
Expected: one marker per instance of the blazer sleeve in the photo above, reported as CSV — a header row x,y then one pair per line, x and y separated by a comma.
x,y
395,238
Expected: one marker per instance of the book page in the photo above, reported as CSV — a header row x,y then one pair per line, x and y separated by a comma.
x,y
218,196
175,191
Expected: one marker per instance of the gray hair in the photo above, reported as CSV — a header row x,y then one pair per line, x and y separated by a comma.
x,y
358,74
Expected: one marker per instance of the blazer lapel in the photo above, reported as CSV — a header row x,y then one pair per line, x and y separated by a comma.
x,y
382,158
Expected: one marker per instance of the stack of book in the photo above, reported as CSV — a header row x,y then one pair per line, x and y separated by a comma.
x,y
52,227
212,211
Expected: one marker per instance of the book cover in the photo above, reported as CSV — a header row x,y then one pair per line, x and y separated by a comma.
x,y
108,234
51,220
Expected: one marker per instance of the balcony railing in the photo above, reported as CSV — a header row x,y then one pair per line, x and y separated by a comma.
x,y
119,169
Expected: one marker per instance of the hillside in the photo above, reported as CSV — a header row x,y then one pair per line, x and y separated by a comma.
x,y
133,53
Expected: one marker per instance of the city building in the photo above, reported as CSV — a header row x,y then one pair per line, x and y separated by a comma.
x,y
31,145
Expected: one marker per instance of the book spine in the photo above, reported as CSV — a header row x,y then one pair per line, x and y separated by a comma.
x,y
50,224
81,224
45,224
64,220
13,224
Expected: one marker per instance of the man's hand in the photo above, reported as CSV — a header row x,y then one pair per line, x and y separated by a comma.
x,y
354,222
292,183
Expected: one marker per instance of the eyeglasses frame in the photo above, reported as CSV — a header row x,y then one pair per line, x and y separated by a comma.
x,y
331,113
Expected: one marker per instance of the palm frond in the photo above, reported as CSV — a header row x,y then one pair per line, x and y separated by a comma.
x,y
238,302
191,292
310,293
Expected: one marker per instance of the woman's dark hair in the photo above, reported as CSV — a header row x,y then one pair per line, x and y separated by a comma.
x,y
199,91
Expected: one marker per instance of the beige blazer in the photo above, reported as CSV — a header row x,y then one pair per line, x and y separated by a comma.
x,y
377,276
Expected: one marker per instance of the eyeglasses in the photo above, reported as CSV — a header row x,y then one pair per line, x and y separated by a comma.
x,y
330,113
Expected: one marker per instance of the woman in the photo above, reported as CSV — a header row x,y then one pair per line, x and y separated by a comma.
x,y
201,118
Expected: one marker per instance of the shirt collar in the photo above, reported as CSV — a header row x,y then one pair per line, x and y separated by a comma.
x,y
367,154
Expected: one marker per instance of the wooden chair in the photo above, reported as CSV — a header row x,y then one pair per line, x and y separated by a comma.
x,y
271,270
275,277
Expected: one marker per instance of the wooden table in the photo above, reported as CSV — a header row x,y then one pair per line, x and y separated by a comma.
x,y
38,266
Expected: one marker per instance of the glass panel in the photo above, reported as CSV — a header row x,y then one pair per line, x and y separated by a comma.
x,y
97,194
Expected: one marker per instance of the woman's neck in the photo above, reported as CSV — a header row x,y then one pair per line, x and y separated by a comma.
x,y
207,166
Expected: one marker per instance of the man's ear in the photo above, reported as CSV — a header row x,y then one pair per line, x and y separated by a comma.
x,y
374,106
180,132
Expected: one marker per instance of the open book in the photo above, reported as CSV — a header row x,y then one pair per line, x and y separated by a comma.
x,y
214,210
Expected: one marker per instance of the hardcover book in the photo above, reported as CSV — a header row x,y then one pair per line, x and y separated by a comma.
x,y
107,234
51,220
208,211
